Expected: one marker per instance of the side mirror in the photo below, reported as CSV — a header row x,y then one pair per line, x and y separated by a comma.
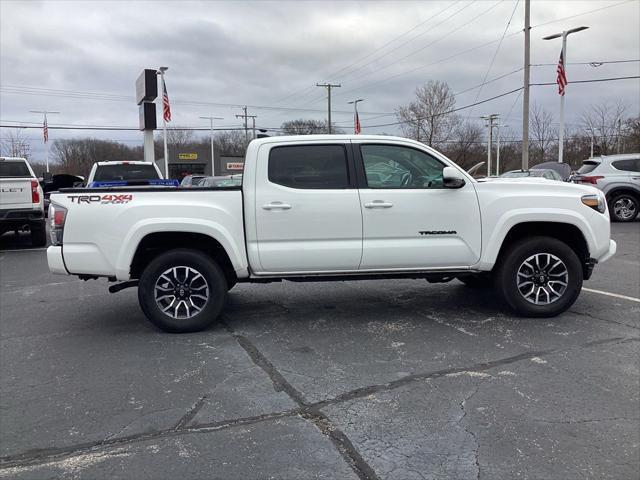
x,y
452,178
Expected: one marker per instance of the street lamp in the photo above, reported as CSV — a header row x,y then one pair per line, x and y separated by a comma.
x,y
161,71
564,34
213,162
356,119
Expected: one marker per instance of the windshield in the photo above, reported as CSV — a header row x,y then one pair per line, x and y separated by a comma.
x,y
588,167
127,171
14,170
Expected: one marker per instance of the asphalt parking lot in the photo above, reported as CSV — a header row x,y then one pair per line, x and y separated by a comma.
x,y
373,380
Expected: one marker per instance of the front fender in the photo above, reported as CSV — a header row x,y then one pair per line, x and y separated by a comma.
x,y
509,219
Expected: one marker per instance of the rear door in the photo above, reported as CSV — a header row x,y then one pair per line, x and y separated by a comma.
x,y
410,220
308,215
15,184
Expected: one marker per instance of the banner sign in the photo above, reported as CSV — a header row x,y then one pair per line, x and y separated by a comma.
x,y
187,156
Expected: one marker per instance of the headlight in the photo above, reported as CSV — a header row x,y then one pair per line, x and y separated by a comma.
x,y
597,202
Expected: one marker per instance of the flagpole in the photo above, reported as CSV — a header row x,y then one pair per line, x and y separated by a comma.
x,y
563,56
164,126
561,132
46,144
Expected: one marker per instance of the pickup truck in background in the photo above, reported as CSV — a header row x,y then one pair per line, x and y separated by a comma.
x,y
21,200
333,207
123,171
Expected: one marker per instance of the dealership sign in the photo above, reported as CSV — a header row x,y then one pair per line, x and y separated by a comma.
x,y
235,166
187,156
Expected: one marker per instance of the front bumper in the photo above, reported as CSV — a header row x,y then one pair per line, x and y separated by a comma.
x,y
55,261
613,247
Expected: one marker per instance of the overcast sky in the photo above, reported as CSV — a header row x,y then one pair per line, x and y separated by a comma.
x,y
222,55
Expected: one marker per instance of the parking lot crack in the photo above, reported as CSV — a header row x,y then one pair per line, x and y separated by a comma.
x,y
341,442
463,404
193,411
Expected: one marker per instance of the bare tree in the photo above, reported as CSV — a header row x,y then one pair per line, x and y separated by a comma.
x,y
466,148
230,142
542,131
604,123
308,127
427,118
76,156
15,145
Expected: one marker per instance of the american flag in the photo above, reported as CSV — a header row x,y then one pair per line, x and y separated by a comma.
x,y
45,130
357,128
166,108
561,80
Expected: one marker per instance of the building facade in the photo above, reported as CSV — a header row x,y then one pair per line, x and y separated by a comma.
x,y
185,161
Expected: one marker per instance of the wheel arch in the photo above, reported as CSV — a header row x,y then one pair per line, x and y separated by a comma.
x,y
567,233
156,243
622,190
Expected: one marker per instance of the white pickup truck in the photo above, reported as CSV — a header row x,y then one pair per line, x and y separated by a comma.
x,y
21,200
333,207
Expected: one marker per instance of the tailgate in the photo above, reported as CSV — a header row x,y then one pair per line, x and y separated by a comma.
x,y
15,193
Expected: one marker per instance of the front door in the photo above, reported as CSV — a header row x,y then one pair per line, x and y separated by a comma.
x,y
308,215
410,220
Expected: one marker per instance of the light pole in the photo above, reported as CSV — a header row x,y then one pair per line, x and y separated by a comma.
x,y
489,119
45,133
161,70
213,161
564,34
356,119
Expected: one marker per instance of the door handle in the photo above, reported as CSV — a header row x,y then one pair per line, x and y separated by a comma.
x,y
276,206
378,204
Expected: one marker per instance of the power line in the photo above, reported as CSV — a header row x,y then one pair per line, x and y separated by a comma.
x,y
581,14
598,62
495,54
611,79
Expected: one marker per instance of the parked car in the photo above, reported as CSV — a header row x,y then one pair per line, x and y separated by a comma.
x,y
52,183
223,181
618,176
307,211
542,173
192,180
21,200
123,171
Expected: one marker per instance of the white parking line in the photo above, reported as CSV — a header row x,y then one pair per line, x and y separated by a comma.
x,y
609,294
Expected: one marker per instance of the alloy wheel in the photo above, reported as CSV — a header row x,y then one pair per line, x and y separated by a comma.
x,y
181,292
542,278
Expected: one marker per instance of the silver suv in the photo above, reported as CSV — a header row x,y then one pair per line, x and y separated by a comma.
x,y
618,176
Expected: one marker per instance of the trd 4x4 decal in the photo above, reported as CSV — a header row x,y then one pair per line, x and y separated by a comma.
x,y
102,199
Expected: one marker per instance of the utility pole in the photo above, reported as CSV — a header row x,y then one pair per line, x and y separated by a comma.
x,y
45,133
525,95
490,125
329,86
213,158
245,116
563,55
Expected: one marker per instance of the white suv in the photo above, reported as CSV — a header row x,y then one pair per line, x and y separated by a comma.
x,y
618,176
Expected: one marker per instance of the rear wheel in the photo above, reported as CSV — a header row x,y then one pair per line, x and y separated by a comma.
x,y
182,290
38,235
623,207
539,277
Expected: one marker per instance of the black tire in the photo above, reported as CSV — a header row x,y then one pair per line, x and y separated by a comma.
x,y
477,281
211,275
511,262
38,235
626,213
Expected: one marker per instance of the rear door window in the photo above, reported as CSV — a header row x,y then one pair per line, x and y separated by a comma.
x,y
630,165
309,166
14,170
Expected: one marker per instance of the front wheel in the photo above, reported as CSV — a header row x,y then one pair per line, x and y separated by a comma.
x,y
182,290
623,207
539,277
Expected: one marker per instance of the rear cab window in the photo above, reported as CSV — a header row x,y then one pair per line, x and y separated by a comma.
x,y
309,166
14,169
129,171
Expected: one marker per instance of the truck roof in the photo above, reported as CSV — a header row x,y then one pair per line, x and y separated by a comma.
x,y
326,137
123,162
